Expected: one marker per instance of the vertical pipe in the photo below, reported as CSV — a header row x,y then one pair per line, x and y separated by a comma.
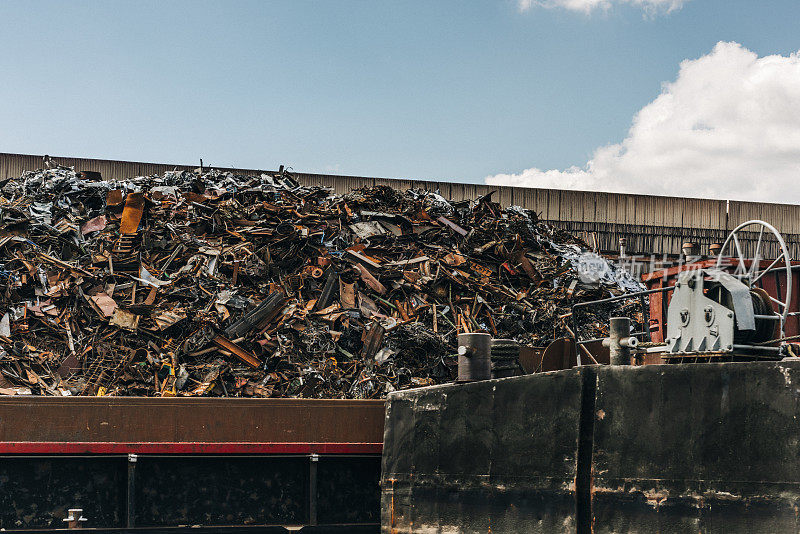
x,y
646,317
619,340
312,489
130,501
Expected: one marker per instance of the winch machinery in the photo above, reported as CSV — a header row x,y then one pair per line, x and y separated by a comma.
x,y
716,311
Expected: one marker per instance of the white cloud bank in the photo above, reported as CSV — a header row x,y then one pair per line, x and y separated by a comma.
x,y
728,127
587,6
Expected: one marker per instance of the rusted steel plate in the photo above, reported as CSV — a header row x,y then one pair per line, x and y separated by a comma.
x,y
217,420
132,214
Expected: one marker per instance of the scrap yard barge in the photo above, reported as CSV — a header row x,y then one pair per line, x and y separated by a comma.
x,y
218,352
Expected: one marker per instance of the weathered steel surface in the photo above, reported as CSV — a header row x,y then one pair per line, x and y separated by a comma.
x,y
653,449
697,448
200,461
492,456
242,529
130,419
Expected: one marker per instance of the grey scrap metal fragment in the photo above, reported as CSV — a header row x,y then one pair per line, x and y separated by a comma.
x,y
270,306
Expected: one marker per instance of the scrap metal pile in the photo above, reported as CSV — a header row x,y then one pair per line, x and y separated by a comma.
x,y
255,286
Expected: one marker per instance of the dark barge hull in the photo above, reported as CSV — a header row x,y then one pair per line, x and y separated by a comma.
x,y
666,449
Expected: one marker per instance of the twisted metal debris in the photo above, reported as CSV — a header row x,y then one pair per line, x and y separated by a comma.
x,y
226,285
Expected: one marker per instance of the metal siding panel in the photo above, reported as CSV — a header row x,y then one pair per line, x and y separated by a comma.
x,y
793,219
401,185
349,184
303,179
540,199
687,213
700,215
648,208
738,213
531,200
612,209
483,190
601,206
630,209
703,214
553,197
425,185
572,205
445,189
470,192
673,214
650,222
505,195
458,192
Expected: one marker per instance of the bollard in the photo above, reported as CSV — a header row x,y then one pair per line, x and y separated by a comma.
x,y
75,518
474,357
619,341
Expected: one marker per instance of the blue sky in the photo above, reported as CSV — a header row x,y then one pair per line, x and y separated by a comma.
x,y
441,90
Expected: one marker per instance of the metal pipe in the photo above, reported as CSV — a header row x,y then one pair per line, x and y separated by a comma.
x,y
619,341
622,297
611,299
757,347
312,489
130,500
600,339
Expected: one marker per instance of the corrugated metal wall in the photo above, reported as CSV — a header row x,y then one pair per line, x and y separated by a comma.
x,y
650,224
12,165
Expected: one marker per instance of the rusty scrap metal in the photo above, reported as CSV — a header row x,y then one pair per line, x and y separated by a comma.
x,y
216,284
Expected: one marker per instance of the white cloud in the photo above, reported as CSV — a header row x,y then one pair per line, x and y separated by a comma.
x,y
727,127
587,6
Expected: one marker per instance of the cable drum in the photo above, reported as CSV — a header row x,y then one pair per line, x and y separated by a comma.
x,y
505,358
765,328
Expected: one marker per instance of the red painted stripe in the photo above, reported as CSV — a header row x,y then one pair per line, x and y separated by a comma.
x,y
104,447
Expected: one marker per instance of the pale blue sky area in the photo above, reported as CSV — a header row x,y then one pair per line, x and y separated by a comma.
x,y
442,90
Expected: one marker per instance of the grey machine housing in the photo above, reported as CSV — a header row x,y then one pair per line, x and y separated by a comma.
x,y
697,323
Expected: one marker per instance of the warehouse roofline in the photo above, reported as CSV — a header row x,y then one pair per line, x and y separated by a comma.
x,y
649,224
65,160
